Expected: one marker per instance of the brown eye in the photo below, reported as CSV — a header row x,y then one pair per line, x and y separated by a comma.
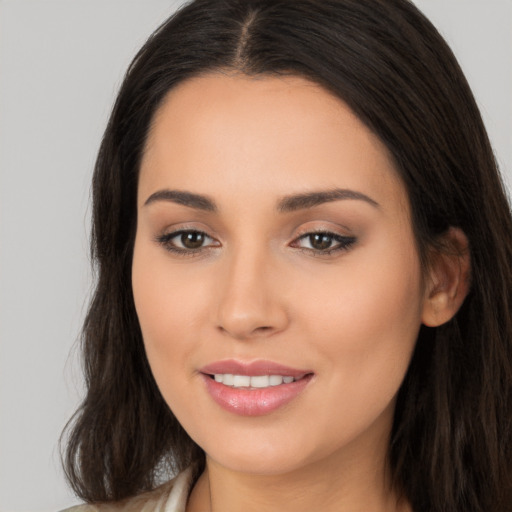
x,y
324,242
320,241
187,241
192,239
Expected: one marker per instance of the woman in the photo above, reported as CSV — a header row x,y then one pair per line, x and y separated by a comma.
x,y
303,250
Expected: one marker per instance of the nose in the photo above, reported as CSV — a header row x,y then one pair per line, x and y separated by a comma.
x,y
252,302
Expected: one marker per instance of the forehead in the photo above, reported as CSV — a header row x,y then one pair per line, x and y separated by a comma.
x,y
222,134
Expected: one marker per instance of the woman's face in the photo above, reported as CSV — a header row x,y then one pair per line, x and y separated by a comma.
x,y
274,243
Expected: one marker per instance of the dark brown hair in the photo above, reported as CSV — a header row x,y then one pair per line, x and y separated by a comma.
x,y
451,443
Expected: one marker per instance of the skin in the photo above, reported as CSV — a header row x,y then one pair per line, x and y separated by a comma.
x,y
257,289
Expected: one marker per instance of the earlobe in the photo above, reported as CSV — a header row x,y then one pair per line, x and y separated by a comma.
x,y
448,280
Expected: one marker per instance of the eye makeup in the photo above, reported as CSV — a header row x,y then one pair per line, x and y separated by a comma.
x,y
189,242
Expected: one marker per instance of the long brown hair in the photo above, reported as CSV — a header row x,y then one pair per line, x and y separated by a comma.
x,y
451,443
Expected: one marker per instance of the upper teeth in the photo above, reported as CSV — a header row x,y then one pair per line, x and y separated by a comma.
x,y
247,381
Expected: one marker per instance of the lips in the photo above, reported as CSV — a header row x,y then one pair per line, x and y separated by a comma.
x,y
259,367
253,389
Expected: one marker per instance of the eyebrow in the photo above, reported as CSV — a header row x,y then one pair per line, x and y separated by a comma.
x,y
287,204
312,199
197,201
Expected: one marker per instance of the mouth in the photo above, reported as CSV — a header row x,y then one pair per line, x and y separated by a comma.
x,y
254,381
254,389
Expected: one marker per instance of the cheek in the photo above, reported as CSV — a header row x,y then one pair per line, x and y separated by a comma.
x,y
378,307
168,306
367,325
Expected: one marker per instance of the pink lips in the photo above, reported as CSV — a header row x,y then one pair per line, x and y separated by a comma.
x,y
252,401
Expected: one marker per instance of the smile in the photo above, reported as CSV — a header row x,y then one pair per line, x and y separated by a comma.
x,y
254,382
253,389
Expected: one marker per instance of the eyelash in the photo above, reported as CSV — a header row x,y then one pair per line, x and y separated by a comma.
x,y
344,243
166,241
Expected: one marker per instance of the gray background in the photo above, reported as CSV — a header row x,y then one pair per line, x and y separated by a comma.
x,y
61,62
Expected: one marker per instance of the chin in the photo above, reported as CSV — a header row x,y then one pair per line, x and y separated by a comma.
x,y
264,454
259,463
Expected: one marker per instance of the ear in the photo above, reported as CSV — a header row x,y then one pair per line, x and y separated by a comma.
x,y
448,280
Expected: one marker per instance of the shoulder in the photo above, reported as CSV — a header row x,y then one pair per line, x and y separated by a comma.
x,y
169,497
81,508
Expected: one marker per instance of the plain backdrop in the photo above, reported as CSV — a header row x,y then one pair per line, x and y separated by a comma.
x,y
61,63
